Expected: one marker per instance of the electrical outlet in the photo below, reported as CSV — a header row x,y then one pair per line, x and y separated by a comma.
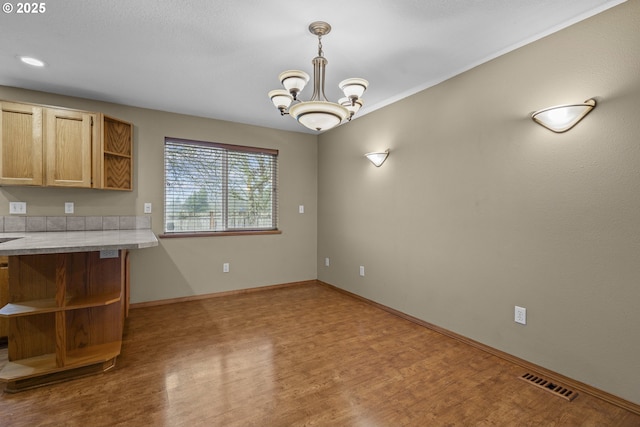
x,y
68,207
520,315
109,253
326,262
225,267
147,207
301,209
17,207
362,270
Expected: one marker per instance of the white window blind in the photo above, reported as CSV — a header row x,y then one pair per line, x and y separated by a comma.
x,y
211,187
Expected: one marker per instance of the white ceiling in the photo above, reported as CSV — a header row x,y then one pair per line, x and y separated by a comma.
x,y
219,58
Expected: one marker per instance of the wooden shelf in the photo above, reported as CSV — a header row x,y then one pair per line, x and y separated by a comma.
x,y
26,308
27,368
94,354
111,153
29,307
91,301
46,363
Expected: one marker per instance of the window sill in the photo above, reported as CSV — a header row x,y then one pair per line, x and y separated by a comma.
x,y
220,234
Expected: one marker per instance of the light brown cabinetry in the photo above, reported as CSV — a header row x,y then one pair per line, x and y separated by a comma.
x,y
21,144
66,314
4,295
114,162
69,137
59,147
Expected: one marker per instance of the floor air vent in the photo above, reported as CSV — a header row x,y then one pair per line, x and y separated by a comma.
x,y
556,389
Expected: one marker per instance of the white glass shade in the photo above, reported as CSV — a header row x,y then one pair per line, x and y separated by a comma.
x,y
561,118
281,98
319,115
294,80
353,88
353,107
378,157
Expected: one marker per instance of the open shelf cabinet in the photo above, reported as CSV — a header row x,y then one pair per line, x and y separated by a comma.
x,y
116,168
66,315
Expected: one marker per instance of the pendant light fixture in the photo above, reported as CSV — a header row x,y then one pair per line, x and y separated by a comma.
x,y
317,114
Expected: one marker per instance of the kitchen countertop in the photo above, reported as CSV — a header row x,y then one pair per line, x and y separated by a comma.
x,y
30,243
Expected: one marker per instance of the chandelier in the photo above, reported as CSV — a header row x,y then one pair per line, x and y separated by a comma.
x,y
317,114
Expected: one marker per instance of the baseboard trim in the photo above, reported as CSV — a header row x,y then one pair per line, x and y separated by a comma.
x,y
585,388
219,294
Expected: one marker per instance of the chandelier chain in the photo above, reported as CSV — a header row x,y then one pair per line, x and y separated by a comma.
x,y
320,52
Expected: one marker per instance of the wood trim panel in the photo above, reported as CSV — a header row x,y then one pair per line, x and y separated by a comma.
x,y
219,294
585,388
219,234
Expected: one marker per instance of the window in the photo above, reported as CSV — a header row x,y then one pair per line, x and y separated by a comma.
x,y
211,187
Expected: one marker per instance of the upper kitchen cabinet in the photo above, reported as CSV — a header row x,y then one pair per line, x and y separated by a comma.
x,y
69,137
21,144
58,147
113,166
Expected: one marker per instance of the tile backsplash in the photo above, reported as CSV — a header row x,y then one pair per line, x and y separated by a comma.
x,y
18,224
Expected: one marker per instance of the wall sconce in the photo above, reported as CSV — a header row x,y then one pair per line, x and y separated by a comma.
x,y
377,157
561,118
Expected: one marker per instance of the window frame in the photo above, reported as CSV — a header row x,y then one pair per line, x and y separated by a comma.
x,y
230,231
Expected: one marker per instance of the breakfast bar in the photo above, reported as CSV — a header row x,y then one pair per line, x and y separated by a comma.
x,y
68,299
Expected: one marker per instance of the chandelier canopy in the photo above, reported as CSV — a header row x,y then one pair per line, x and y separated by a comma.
x,y
318,113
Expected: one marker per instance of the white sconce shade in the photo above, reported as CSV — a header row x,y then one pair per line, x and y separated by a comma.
x,y
294,81
281,99
377,157
353,107
561,118
353,88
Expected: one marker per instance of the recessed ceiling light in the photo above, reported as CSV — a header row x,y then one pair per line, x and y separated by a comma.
x,y
32,61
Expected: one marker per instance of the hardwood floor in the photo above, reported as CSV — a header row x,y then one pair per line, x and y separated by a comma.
x,y
303,355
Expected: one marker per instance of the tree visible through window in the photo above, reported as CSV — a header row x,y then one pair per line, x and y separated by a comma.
x,y
211,187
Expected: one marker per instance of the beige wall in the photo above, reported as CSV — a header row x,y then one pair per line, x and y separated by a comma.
x,y
479,209
193,266
476,210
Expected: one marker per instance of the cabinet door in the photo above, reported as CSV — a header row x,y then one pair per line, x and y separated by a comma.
x,y
20,144
4,294
69,137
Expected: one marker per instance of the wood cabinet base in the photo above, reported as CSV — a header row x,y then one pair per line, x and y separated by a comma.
x,y
56,377
66,315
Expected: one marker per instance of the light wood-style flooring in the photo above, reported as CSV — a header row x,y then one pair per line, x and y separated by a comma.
x,y
305,355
